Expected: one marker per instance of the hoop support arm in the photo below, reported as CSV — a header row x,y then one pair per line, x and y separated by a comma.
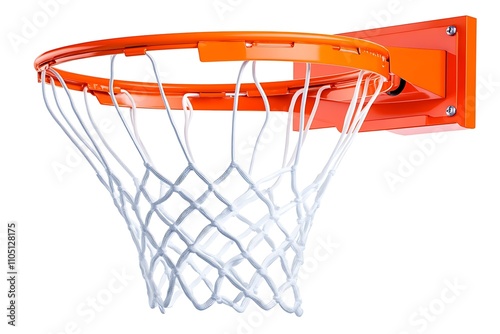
x,y
437,60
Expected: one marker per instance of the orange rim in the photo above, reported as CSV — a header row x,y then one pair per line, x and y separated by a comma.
x,y
347,52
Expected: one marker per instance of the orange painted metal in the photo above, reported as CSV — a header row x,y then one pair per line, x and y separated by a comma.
x,y
439,70
425,69
354,54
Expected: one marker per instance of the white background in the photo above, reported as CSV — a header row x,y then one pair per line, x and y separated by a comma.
x,y
395,248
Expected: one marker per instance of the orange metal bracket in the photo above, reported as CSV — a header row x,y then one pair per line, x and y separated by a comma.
x,y
423,68
439,67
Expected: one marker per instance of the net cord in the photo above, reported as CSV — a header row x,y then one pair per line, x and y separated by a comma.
x,y
89,139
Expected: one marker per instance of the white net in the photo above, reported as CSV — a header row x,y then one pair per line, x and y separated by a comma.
x,y
232,237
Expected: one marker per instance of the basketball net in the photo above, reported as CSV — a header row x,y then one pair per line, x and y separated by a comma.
x,y
215,244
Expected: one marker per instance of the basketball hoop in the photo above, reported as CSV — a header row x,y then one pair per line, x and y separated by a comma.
x,y
196,237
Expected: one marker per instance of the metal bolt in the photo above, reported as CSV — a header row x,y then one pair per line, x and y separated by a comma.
x,y
451,111
451,30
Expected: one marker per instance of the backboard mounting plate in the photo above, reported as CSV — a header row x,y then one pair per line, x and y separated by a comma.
x,y
415,110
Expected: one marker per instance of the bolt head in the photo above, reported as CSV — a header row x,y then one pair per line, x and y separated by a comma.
x,y
451,111
451,30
